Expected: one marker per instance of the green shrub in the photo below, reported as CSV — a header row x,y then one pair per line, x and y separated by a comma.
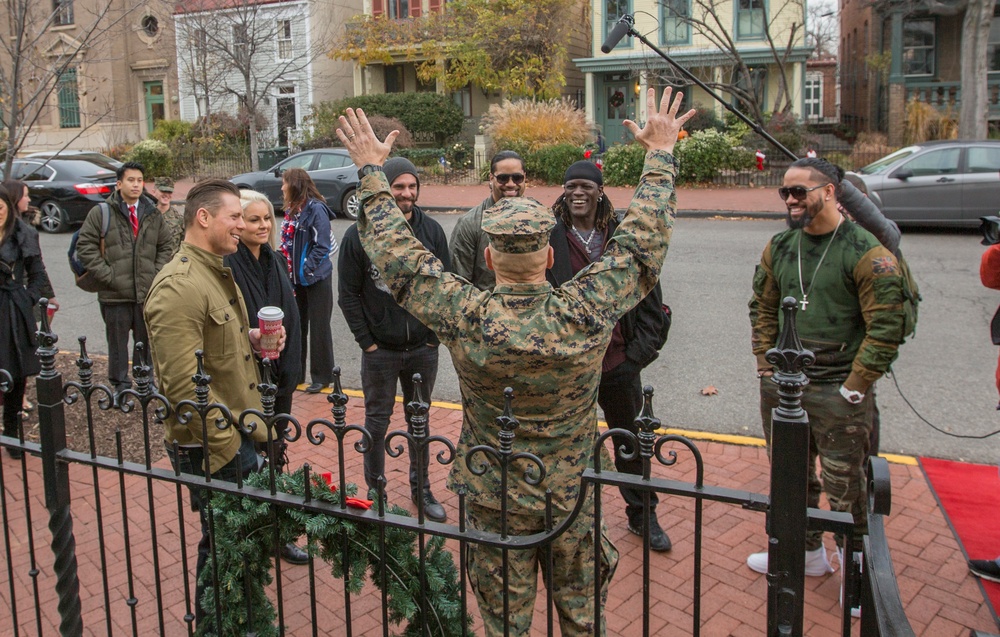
x,y
169,130
423,157
623,164
785,128
704,119
550,163
532,125
459,155
702,155
420,112
154,156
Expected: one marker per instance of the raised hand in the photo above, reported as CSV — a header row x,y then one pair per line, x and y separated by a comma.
x,y
663,124
357,136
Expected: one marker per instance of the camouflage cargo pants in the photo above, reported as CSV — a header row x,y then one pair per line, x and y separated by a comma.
x,y
839,437
572,572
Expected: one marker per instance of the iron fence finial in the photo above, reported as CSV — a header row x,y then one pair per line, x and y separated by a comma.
x,y
47,340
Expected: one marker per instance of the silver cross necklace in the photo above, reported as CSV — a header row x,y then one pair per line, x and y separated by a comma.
x,y
805,295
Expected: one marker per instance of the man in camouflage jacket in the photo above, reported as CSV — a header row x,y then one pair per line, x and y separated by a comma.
x,y
850,316
547,344
173,217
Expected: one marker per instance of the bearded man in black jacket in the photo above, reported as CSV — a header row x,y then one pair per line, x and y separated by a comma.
x,y
394,344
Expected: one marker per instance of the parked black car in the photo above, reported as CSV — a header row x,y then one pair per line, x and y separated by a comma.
x,y
66,185
335,176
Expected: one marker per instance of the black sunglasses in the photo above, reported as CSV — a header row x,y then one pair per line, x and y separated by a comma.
x,y
517,178
798,192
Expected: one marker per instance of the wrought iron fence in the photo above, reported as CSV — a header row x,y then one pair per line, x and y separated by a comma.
x,y
133,563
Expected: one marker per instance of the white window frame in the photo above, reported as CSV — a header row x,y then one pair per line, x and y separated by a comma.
x,y
284,32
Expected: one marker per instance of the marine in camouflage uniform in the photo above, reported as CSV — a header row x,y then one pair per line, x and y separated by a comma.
x,y
852,322
547,344
172,215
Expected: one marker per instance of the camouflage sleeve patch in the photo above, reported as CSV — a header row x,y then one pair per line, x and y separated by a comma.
x,y
880,293
764,305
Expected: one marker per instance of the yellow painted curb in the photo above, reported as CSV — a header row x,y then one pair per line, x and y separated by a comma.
x,y
729,439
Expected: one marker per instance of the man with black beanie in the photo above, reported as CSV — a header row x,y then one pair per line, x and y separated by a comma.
x,y
394,344
585,221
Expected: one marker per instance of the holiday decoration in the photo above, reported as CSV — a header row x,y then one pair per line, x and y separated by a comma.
x,y
247,533
760,160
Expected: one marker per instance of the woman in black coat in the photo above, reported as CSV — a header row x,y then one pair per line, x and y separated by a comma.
x,y
262,277
19,253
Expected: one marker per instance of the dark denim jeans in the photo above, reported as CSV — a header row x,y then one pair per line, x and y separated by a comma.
x,y
379,372
620,396
191,460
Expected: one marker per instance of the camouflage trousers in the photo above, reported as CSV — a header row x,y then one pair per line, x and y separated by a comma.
x,y
572,572
839,437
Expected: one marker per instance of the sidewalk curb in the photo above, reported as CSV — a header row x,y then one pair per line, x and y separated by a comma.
x,y
691,214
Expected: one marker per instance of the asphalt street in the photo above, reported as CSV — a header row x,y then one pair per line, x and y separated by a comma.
x,y
946,371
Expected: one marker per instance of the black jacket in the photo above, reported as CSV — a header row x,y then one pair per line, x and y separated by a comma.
x,y
372,314
20,250
642,326
265,282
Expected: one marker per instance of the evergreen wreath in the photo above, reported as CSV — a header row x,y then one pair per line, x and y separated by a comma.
x,y
244,546
617,99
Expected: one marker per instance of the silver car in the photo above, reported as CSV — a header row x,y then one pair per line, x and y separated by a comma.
x,y
331,169
939,183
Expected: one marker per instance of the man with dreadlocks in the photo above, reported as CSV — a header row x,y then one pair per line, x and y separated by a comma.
x,y
850,294
585,222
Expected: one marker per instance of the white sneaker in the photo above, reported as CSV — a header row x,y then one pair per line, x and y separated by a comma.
x,y
856,610
816,563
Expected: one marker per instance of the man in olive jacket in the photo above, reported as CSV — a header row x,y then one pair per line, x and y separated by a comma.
x,y
134,249
194,304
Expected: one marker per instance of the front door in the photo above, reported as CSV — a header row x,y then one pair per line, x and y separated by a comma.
x,y
615,102
155,106
285,105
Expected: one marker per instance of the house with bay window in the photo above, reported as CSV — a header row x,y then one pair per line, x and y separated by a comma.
x,y
904,51
763,65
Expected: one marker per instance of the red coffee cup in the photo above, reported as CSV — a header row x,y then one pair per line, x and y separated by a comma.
x,y
50,309
269,320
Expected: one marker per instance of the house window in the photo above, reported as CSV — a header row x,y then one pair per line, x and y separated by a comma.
x,y
613,11
394,79
813,103
69,99
674,15
918,47
754,84
463,98
993,46
284,39
62,12
150,25
399,8
241,41
750,19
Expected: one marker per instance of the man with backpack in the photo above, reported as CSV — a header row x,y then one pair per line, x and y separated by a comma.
x,y
122,247
585,222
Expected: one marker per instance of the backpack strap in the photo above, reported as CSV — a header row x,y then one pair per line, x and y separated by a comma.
x,y
105,222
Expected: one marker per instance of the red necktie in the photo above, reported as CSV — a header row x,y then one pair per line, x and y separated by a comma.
x,y
134,219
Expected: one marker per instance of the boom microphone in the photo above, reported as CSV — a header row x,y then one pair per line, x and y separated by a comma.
x,y
621,29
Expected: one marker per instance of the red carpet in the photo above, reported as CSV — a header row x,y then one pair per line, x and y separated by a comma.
x,y
969,494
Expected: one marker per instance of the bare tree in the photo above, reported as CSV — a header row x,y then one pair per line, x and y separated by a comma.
x,y
823,31
243,52
974,111
781,30
36,64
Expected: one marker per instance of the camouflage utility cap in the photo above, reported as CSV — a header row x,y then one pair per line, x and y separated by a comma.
x,y
164,184
518,225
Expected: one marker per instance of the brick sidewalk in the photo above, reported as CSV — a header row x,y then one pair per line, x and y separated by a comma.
x,y
940,596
